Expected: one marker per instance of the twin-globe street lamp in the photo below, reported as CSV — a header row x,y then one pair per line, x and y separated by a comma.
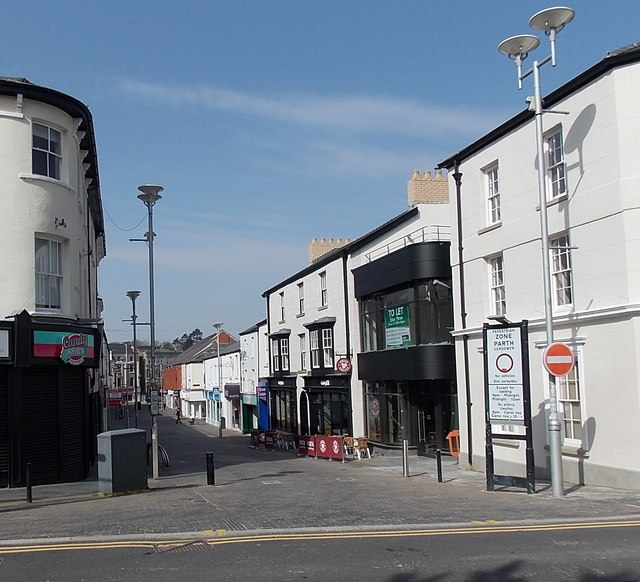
x,y
150,194
551,21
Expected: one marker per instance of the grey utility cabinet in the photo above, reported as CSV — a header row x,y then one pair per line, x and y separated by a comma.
x,y
122,460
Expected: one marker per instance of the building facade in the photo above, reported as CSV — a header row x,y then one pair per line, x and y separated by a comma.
x,y
343,358
51,336
591,149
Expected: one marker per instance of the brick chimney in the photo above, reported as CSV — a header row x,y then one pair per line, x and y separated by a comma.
x,y
318,248
427,189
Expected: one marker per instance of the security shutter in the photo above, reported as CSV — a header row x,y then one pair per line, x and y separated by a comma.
x,y
4,426
74,421
40,435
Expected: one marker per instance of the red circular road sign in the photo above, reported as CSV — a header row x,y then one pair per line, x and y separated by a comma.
x,y
558,359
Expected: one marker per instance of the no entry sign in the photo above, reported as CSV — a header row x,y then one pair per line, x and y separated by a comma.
x,y
558,359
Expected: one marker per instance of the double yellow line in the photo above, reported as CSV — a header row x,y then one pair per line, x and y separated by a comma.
x,y
220,537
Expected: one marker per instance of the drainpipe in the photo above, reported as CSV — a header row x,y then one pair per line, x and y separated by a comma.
x,y
345,286
457,176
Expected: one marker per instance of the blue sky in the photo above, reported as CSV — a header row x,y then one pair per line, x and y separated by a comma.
x,y
269,122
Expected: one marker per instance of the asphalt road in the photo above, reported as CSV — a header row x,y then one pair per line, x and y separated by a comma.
x,y
588,553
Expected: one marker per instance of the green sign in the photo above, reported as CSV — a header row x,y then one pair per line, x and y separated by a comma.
x,y
396,326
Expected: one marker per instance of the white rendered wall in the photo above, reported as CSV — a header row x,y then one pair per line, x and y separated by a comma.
x,y
600,213
30,204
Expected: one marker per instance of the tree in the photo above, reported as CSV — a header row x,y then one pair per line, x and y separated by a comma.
x,y
187,340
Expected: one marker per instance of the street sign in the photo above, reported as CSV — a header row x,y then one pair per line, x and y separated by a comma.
x,y
558,359
505,375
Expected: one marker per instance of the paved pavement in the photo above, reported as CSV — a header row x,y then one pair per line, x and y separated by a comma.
x,y
258,491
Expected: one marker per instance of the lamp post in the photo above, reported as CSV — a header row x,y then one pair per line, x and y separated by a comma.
x,y
218,325
517,48
133,295
150,194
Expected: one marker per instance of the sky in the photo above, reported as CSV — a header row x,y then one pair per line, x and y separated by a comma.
x,y
270,122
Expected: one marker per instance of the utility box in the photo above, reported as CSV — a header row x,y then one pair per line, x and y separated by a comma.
x,y
122,460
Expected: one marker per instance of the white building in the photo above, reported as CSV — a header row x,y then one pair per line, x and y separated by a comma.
x,y
53,240
592,150
323,379
254,369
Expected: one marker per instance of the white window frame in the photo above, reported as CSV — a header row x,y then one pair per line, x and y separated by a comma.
x,y
303,351
556,167
281,296
570,392
300,298
492,188
284,354
327,347
53,157
314,344
275,354
323,289
48,276
497,288
561,271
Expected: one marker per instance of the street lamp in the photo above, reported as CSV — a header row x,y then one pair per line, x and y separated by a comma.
x,y
150,194
218,325
133,295
517,48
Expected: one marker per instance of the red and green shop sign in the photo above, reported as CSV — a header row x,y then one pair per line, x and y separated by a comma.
x,y
72,348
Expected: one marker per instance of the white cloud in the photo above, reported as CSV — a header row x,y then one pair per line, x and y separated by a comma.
x,y
353,113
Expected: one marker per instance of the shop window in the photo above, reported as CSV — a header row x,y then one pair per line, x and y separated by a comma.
x,y
283,410
416,315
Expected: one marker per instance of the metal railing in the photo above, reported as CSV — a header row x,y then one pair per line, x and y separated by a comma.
x,y
431,233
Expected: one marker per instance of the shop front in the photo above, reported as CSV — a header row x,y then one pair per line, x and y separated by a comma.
x,y
283,404
325,406
407,365
50,404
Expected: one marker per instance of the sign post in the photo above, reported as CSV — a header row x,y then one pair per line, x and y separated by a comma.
x,y
508,396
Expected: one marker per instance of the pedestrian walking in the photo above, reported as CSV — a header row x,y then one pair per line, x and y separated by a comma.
x,y
178,416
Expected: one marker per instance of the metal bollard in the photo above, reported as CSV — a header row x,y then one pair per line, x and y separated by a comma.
x,y
211,477
439,464
405,458
29,488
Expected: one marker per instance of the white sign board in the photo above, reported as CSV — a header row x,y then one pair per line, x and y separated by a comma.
x,y
504,373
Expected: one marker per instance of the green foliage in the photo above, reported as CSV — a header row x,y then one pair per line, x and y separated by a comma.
x,y
187,340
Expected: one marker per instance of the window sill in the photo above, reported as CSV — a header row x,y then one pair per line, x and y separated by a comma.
x,y
323,307
281,322
490,227
300,315
554,201
38,178
11,114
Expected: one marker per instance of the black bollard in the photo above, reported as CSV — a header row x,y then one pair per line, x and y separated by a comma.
x,y
439,464
211,477
28,479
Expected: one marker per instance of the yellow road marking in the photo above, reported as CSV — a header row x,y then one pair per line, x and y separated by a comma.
x,y
481,528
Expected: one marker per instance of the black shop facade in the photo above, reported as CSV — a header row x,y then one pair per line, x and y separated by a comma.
x,y
407,362
50,408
